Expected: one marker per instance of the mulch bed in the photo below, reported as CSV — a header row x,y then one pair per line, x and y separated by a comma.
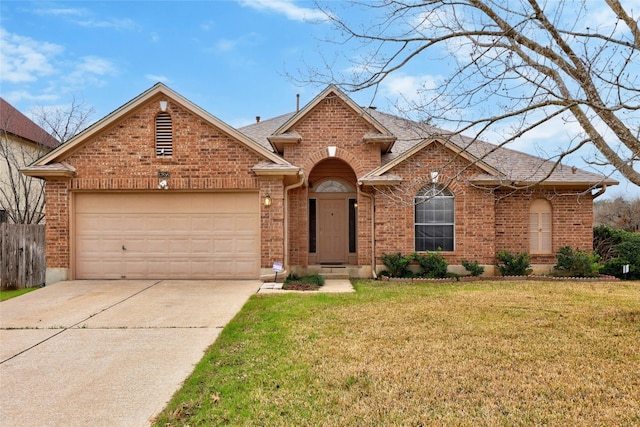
x,y
300,286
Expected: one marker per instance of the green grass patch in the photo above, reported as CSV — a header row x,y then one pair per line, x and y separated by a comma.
x,y
8,294
477,353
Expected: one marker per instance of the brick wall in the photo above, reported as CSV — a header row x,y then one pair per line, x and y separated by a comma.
x,y
474,213
122,157
572,221
333,123
330,123
57,226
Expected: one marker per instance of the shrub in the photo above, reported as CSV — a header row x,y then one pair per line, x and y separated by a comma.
x,y
433,264
473,267
575,263
617,248
312,279
397,265
514,265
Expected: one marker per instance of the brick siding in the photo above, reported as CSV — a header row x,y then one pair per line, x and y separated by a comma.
x,y
122,157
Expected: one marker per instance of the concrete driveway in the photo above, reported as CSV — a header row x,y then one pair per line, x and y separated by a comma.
x,y
107,353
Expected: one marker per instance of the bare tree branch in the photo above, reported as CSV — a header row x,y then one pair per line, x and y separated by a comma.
x,y
534,60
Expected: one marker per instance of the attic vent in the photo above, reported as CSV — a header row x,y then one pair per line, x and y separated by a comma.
x,y
164,138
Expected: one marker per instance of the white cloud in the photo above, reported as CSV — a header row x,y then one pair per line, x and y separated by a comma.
x,y
17,96
85,18
115,23
88,71
157,78
287,8
23,59
61,12
227,45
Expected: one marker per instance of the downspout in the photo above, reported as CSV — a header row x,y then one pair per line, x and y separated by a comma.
x,y
601,191
286,217
373,231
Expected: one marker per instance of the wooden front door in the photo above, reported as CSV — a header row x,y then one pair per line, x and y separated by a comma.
x,y
332,230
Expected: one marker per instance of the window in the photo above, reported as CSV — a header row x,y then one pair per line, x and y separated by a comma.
x,y
164,135
540,227
434,219
312,226
352,225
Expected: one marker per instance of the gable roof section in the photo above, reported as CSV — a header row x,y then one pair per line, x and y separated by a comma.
x,y
285,134
14,122
499,165
79,140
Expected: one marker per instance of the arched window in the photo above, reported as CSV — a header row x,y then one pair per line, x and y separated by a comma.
x,y
164,135
333,186
540,226
434,219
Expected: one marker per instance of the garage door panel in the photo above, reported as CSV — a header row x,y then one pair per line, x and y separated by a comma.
x,y
179,235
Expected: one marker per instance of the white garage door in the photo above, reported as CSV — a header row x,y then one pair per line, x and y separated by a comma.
x,y
167,235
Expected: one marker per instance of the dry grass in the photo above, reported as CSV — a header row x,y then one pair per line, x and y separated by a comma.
x,y
491,353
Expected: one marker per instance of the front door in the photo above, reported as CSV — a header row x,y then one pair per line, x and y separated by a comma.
x,y
332,230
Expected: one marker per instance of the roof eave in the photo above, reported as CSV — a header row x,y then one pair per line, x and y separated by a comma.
x,y
508,183
48,173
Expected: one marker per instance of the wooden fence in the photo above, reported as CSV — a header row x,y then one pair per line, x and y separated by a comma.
x,y
22,255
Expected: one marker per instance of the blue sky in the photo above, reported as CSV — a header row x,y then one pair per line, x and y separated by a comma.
x,y
235,59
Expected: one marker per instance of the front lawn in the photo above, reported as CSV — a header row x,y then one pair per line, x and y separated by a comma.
x,y
478,353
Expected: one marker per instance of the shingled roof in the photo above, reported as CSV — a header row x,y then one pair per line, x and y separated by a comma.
x,y
14,122
513,167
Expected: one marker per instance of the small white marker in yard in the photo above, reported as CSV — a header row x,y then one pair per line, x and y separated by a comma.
x,y
625,269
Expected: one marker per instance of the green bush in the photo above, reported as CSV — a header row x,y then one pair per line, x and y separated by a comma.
x,y
397,265
473,267
514,265
575,263
617,248
433,264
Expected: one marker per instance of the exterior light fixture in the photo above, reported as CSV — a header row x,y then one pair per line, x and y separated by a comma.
x,y
163,105
332,151
434,177
267,200
163,185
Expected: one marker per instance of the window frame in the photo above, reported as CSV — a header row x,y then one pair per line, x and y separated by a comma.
x,y
427,196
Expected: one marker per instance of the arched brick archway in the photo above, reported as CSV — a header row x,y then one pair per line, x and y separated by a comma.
x,y
332,207
341,154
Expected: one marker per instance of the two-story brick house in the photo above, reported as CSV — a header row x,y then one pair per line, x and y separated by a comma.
x,y
162,189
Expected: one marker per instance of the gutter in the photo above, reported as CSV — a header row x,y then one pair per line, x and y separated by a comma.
x,y
286,218
601,191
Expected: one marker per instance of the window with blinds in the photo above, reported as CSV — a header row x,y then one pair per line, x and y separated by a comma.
x,y
540,228
434,219
164,135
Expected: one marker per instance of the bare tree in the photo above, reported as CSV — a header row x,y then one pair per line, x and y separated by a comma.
x,y
22,197
64,122
618,213
516,66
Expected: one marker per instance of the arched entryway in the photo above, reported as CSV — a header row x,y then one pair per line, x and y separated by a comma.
x,y
332,214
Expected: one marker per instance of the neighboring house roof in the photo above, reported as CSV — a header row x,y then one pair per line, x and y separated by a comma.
x,y
79,140
499,165
14,122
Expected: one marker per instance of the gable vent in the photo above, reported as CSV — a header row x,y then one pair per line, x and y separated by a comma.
x,y
164,135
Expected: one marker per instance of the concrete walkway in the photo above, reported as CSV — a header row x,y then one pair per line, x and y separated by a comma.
x,y
330,286
107,353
